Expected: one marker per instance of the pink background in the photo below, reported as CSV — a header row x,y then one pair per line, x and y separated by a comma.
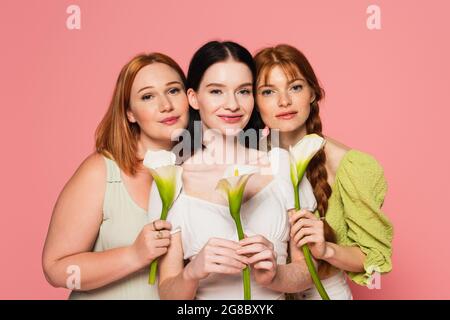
x,y
387,94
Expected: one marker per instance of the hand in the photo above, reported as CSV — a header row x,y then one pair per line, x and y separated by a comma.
x,y
152,243
217,256
306,228
261,257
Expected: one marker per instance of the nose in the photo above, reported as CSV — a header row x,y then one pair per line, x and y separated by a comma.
x,y
165,105
232,104
285,100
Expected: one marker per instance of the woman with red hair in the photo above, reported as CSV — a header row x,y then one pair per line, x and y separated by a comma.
x,y
99,225
348,232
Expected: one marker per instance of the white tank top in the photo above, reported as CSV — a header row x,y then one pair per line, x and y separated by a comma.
x,y
265,213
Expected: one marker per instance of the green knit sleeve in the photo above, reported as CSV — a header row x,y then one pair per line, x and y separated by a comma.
x,y
362,187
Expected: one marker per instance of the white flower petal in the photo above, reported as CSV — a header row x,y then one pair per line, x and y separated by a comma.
x,y
306,193
293,170
307,147
223,186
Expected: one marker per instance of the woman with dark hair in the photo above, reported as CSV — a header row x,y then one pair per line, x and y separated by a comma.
x,y
220,91
99,230
349,232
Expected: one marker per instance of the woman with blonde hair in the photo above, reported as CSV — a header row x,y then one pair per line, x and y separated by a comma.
x,y
100,228
348,232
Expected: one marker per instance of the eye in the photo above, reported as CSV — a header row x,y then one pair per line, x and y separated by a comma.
x,y
174,91
216,91
245,91
297,88
146,97
266,92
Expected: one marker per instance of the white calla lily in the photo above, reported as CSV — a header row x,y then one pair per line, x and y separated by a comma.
x,y
300,156
167,176
232,187
302,153
168,179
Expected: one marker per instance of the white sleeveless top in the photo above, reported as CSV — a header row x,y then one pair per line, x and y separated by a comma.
x,y
265,213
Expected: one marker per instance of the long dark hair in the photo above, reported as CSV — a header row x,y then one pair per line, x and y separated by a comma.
x,y
209,54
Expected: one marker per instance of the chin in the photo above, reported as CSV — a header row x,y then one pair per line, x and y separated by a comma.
x,y
230,131
288,126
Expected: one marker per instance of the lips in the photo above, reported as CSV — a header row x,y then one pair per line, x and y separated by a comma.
x,y
170,120
230,118
286,115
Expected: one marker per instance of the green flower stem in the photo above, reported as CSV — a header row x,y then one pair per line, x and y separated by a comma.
x,y
154,264
307,253
313,272
246,271
297,198
246,278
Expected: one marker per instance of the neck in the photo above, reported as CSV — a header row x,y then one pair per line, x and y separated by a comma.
x,y
220,148
290,138
145,143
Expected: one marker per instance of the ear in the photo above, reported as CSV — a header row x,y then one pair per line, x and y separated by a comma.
x,y
131,117
313,97
192,98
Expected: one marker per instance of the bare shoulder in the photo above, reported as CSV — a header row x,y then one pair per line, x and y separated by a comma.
x,y
77,213
94,163
335,152
89,178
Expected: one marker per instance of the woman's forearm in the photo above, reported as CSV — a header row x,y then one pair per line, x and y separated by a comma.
x,y
347,258
96,269
180,287
292,277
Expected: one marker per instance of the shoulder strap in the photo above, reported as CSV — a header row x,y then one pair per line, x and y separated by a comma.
x,y
112,171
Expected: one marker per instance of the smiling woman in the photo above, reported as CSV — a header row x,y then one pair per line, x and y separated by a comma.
x,y
220,92
100,222
349,232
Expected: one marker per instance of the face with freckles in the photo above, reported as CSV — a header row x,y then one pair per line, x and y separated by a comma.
x,y
224,98
158,102
284,102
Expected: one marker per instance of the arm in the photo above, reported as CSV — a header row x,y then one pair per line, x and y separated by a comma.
x,y
294,276
172,275
308,229
74,227
347,258
217,256
289,278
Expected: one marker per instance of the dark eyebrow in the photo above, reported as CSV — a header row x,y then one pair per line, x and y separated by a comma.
x,y
167,84
215,85
248,84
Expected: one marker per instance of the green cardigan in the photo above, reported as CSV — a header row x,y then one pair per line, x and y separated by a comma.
x,y
354,212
